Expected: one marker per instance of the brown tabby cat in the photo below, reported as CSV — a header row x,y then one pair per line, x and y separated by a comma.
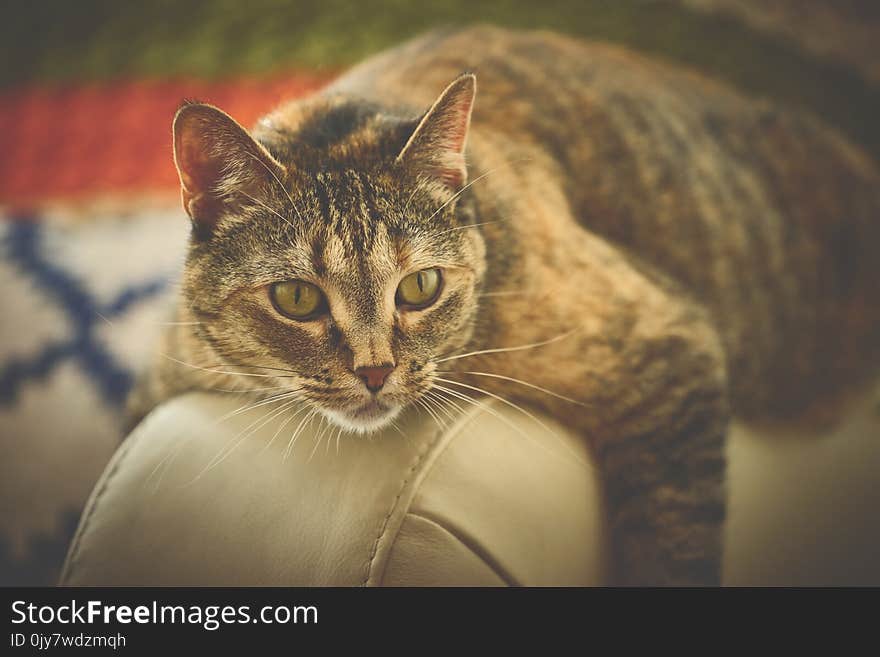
x,y
668,250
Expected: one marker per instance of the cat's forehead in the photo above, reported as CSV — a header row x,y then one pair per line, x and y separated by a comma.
x,y
352,206
354,217
342,257
347,227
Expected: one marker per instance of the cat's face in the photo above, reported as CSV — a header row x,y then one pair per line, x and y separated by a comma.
x,y
342,281
327,297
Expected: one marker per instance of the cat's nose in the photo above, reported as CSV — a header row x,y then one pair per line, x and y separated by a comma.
x,y
374,376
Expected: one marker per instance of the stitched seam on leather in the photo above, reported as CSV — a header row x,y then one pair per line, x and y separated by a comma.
x,y
90,513
454,433
384,526
500,571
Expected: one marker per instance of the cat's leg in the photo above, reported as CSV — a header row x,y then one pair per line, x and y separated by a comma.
x,y
663,461
651,378
666,499
647,368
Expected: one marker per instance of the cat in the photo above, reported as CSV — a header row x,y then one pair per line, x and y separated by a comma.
x,y
630,247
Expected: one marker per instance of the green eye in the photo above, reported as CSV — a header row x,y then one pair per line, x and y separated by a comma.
x,y
419,289
296,299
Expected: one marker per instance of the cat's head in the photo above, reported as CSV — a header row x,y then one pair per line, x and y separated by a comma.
x,y
339,266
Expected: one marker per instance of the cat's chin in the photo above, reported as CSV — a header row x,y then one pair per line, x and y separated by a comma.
x,y
364,419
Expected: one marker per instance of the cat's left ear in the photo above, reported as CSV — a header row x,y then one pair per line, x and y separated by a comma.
x,y
436,147
216,158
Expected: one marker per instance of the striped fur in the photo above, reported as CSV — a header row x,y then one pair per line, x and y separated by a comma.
x,y
695,253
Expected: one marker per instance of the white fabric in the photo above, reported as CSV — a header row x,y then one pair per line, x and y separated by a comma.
x,y
84,301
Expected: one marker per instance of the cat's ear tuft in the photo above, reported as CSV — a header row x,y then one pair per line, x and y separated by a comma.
x,y
215,158
436,147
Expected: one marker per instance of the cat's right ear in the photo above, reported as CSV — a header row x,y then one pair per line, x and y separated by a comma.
x,y
436,147
216,158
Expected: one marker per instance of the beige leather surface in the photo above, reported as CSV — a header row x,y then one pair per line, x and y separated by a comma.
x,y
805,507
490,500
494,499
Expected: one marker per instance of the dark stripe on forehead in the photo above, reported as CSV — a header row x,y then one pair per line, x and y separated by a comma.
x,y
329,126
323,199
354,226
370,202
318,246
356,219
339,197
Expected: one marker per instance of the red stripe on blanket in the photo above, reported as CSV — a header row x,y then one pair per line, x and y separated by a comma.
x,y
74,141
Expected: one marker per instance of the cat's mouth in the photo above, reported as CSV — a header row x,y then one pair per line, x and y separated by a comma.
x,y
366,417
371,409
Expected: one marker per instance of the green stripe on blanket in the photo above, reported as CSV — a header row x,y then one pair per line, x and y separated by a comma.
x,y
101,39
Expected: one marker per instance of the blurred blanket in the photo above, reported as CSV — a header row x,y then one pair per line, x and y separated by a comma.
x,y
83,303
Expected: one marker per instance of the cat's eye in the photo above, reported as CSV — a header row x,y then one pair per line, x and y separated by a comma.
x,y
297,299
420,289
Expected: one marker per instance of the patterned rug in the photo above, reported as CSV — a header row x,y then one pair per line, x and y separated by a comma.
x,y
91,231
84,303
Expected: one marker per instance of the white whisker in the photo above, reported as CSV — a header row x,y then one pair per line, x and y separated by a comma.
x,y
507,349
243,435
295,436
415,191
482,223
322,429
227,373
168,459
517,407
485,407
524,383
448,402
440,405
398,429
422,404
265,207
281,185
289,419
474,182
428,401
338,436
241,391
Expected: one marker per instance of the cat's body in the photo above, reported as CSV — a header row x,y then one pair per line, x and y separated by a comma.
x,y
681,251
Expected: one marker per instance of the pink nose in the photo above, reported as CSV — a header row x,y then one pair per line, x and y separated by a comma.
x,y
374,377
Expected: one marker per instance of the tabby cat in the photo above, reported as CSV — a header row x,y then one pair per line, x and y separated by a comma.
x,y
625,245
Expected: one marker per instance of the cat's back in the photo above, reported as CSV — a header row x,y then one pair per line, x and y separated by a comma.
x,y
765,215
768,216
